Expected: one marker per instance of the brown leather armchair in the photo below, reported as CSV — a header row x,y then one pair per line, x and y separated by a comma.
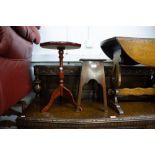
x,y
16,44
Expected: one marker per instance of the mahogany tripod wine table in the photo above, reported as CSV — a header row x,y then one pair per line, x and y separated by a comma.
x,y
61,90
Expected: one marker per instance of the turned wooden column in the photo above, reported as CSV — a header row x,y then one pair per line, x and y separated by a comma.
x,y
61,70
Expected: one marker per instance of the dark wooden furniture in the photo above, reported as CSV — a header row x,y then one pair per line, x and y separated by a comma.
x,y
137,115
93,69
61,90
129,51
139,110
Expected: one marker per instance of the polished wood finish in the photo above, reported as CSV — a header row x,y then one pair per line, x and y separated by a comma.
x,y
135,91
60,44
123,51
132,77
118,90
93,69
61,90
116,80
137,115
109,46
139,110
142,50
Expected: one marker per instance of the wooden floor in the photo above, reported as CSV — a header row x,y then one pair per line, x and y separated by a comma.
x,y
63,115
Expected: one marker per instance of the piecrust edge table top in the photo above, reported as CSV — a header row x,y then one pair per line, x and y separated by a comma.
x,y
60,44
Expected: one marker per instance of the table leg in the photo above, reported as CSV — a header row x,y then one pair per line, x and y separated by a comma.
x,y
67,92
56,93
60,91
102,82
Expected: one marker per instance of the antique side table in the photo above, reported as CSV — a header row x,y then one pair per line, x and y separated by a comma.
x,y
138,114
61,90
129,51
93,69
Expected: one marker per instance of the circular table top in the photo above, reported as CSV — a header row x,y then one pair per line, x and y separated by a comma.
x,y
60,45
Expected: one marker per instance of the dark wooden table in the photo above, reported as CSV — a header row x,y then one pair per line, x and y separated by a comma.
x,y
137,115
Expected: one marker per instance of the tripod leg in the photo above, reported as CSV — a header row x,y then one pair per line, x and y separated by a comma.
x,y
55,94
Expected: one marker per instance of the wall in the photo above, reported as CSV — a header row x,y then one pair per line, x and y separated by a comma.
x,y
90,38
